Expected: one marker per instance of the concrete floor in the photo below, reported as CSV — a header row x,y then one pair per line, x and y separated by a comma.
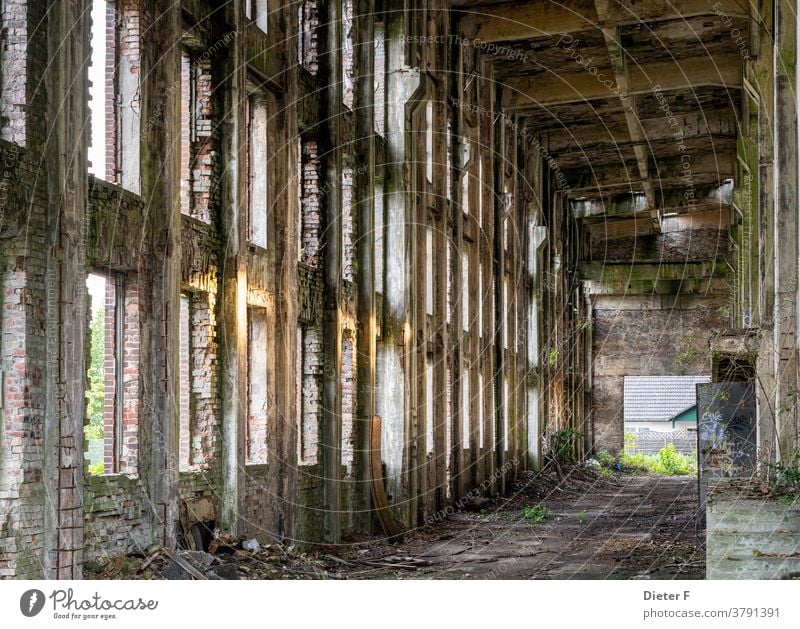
x,y
619,528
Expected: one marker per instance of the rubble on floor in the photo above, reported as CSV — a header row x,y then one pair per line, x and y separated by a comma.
x,y
587,525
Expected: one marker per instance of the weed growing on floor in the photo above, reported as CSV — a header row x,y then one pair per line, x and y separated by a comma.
x,y
536,513
582,516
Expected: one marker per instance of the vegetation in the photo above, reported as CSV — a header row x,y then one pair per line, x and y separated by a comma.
x,y
563,442
667,462
95,396
536,513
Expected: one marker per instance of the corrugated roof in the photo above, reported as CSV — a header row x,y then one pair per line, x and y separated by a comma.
x,y
659,398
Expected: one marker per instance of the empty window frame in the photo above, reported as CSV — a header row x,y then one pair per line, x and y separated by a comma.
x,y
429,270
196,128
112,411
257,386
429,412
258,169
310,219
348,246
258,11
379,83
198,407
309,384
465,408
348,379
429,141
481,410
505,414
347,53
505,312
114,107
185,424
465,290
378,238
13,70
307,21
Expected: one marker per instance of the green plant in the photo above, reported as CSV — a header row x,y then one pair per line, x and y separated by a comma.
x,y
667,462
605,473
604,457
552,356
95,395
582,516
536,513
785,475
630,441
563,443
672,463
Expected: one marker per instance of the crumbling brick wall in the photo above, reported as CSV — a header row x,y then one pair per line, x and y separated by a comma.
x,y
13,70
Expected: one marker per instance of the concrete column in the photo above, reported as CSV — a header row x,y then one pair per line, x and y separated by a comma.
x,y
65,153
786,227
330,77
161,113
364,193
392,378
233,321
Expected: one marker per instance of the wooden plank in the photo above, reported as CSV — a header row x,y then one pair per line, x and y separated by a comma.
x,y
380,501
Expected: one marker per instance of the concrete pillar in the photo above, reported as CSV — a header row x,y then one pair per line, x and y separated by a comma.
x,y
392,377
330,77
364,193
786,233
66,161
161,113
233,272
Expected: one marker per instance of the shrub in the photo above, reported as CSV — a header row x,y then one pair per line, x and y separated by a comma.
x,y
672,463
563,443
604,457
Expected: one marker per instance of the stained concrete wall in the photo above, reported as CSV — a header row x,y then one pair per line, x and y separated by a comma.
x,y
645,336
750,535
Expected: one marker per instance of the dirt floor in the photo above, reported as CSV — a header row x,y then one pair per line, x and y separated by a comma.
x,y
625,527
580,525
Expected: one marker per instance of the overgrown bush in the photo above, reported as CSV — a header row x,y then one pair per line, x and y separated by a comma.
x,y
563,442
604,457
668,461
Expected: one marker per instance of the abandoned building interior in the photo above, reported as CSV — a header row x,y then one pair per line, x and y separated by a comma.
x,y
269,259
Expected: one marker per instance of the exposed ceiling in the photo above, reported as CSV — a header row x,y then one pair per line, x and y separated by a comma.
x,y
636,101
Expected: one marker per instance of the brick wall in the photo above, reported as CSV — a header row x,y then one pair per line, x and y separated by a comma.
x,y
348,384
22,354
199,422
312,366
257,387
13,70
347,53
348,246
678,246
311,217
307,38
